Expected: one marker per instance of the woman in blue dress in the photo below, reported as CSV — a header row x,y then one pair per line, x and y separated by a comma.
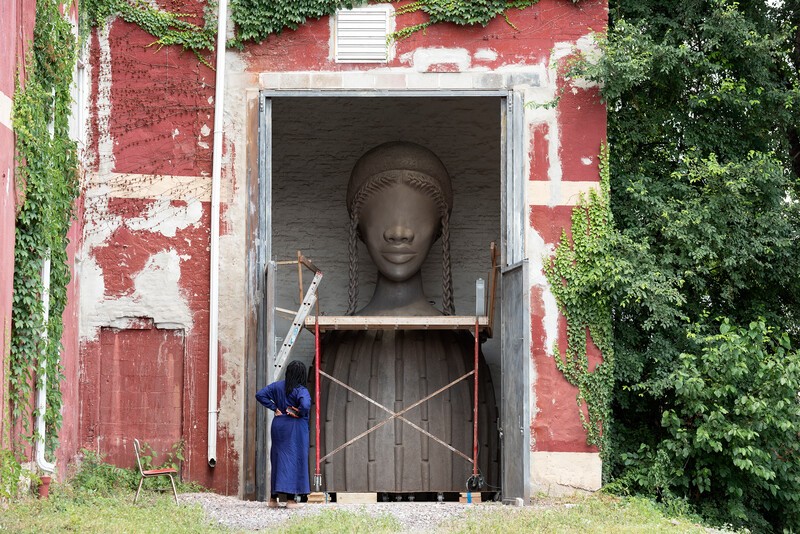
x,y
290,401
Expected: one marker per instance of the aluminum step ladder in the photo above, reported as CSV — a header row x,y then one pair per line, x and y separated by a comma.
x,y
298,323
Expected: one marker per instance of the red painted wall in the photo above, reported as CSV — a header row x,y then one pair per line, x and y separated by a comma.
x,y
160,101
538,29
70,357
16,29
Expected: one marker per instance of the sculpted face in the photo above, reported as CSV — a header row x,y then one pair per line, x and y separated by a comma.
x,y
399,225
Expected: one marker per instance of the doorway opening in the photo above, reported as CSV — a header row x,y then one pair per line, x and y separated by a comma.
x,y
309,145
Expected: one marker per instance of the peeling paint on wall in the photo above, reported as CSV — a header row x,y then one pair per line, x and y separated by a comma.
x,y
157,295
166,218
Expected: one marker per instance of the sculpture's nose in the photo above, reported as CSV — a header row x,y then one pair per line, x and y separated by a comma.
x,y
398,235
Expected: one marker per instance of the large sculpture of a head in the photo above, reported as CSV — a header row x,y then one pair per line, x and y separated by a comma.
x,y
399,198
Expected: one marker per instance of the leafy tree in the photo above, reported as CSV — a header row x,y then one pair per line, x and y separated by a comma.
x,y
704,109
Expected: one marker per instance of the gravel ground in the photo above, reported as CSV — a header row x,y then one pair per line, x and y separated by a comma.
x,y
237,514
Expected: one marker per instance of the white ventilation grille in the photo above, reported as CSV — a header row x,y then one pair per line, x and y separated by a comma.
x,y
360,34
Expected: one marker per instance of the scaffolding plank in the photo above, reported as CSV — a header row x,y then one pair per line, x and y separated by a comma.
x,y
440,322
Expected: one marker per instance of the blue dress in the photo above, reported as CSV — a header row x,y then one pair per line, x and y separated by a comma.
x,y
289,453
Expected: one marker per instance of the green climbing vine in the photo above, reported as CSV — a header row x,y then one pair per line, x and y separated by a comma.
x,y
578,274
168,28
47,182
459,12
258,19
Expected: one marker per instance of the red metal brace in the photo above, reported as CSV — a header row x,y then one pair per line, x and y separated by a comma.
x,y
475,405
317,472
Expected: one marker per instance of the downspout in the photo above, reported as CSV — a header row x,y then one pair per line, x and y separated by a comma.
x,y
41,394
216,171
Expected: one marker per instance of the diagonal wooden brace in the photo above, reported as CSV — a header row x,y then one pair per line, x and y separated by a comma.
x,y
397,415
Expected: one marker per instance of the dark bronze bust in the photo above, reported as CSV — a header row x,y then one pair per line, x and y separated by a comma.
x,y
400,198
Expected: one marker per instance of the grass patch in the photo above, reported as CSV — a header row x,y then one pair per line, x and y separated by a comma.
x,y
341,521
597,514
87,513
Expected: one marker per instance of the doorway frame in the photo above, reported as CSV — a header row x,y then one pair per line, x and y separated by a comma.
x,y
260,351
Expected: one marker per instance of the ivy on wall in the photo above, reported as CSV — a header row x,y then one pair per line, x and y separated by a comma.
x,y
580,273
47,181
258,19
168,28
459,12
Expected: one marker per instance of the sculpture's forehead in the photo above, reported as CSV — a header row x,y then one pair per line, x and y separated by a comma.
x,y
399,160
400,195
400,183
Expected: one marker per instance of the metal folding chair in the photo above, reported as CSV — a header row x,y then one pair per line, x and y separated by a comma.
x,y
149,473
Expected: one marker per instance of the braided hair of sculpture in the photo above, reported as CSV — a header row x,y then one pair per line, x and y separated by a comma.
x,y
421,182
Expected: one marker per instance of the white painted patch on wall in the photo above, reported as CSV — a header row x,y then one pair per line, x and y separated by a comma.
x,y
6,105
550,320
425,57
538,252
586,161
105,143
205,131
92,291
165,218
156,294
585,45
485,54
564,193
565,473
149,186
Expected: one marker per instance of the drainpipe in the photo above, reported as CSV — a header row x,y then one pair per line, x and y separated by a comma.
x,y
41,394
213,326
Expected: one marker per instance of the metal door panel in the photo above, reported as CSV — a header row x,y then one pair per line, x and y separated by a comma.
x,y
515,383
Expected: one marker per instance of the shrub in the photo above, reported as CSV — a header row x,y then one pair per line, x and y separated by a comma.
x,y
97,477
732,423
10,473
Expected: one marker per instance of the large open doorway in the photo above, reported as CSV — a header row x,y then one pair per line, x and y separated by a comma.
x,y
308,146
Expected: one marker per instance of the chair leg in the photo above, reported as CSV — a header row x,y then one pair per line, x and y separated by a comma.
x,y
174,491
138,490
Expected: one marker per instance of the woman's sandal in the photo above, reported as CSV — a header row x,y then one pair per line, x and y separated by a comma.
x,y
272,503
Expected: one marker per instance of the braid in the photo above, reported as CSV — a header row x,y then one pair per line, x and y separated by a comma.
x,y
352,250
368,189
447,275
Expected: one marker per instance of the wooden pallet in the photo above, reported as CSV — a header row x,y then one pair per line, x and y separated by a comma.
x,y
317,497
474,497
356,498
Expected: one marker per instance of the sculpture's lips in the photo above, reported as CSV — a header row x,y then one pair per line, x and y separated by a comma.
x,y
398,257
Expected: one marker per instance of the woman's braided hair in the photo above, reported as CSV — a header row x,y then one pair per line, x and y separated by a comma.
x,y
420,181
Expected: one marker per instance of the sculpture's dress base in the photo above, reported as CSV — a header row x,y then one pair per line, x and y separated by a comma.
x,y
396,369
